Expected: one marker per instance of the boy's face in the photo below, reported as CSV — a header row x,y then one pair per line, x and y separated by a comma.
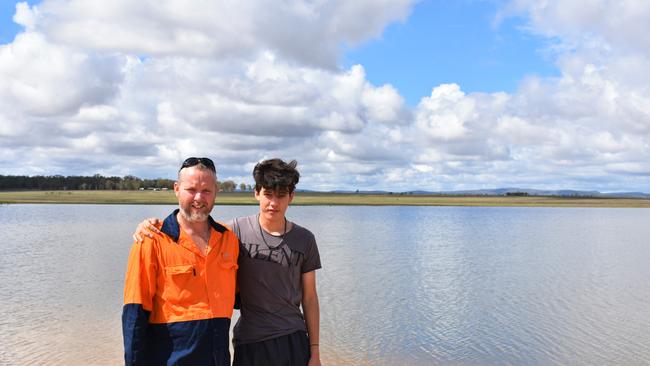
x,y
273,203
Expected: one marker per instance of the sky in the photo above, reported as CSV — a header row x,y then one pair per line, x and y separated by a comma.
x,y
393,95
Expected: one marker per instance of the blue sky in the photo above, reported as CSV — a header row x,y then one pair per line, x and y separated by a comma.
x,y
453,42
373,94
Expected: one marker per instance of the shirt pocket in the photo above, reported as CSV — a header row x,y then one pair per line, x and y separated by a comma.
x,y
177,283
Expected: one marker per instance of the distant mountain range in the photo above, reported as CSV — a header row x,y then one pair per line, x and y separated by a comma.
x,y
516,191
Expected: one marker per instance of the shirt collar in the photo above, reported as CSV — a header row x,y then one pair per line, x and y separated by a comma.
x,y
173,230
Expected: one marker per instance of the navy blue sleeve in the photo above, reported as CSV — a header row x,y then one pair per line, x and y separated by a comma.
x,y
135,321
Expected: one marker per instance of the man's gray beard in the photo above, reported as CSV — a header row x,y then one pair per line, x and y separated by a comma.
x,y
194,217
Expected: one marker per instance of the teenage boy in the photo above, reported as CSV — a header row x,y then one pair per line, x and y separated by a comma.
x,y
277,263
180,284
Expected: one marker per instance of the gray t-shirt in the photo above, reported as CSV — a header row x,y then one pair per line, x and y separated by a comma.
x,y
269,279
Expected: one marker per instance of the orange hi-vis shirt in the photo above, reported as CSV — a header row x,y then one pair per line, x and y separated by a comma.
x,y
173,293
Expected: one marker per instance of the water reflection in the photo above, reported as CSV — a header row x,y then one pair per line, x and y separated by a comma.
x,y
399,285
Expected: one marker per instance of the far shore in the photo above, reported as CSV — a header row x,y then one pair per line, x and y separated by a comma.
x,y
317,199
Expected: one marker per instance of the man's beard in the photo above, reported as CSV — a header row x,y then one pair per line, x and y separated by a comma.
x,y
196,216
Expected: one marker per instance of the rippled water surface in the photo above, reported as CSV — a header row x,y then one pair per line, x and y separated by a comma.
x,y
399,285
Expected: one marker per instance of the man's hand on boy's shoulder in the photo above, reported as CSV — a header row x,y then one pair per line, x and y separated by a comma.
x,y
147,228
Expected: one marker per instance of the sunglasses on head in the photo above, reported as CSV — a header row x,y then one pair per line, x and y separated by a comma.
x,y
207,162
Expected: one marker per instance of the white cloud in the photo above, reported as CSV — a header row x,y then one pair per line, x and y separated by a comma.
x,y
443,115
611,23
309,32
25,15
45,79
384,105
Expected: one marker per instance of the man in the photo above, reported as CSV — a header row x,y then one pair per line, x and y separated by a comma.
x,y
277,264
180,283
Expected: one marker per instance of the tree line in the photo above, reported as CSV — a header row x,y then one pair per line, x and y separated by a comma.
x,y
96,182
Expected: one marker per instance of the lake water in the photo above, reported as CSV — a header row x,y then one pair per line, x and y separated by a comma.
x,y
399,285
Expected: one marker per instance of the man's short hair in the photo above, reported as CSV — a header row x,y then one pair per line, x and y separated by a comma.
x,y
275,174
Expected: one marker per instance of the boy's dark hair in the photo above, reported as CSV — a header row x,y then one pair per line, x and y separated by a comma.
x,y
275,174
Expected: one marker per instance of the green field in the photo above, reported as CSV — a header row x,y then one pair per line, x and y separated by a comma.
x,y
304,198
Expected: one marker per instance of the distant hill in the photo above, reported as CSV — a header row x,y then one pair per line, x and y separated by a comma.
x,y
627,194
513,191
362,192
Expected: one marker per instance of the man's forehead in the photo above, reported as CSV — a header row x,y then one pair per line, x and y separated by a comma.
x,y
192,173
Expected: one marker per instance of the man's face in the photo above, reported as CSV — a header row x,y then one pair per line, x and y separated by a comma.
x,y
273,204
196,190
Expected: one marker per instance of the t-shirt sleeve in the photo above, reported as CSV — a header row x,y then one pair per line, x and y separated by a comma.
x,y
230,224
312,257
235,226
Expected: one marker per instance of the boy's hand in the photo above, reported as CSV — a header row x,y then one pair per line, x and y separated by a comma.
x,y
314,361
315,355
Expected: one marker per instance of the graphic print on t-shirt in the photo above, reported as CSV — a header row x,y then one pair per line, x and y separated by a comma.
x,y
281,254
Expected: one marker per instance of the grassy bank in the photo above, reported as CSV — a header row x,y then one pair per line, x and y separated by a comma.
x,y
167,197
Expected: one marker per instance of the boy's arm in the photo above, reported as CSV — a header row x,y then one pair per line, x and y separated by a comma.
x,y
312,315
139,288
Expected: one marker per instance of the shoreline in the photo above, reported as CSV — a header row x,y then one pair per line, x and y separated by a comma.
x,y
318,199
